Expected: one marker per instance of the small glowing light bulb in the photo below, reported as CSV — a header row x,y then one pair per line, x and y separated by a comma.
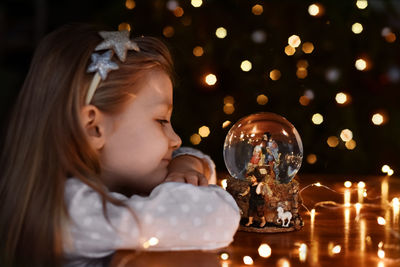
x,y
224,183
381,220
385,168
264,250
248,260
336,249
361,184
347,184
381,253
224,256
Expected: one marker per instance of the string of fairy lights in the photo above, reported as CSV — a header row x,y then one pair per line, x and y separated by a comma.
x,y
295,46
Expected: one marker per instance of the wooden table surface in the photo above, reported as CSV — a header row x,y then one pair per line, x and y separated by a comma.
x,y
354,236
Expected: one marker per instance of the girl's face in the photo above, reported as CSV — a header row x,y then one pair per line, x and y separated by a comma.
x,y
139,141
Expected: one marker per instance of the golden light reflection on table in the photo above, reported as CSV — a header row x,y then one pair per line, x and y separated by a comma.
x,y
360,191
384,191
396,211
346,228
363,233
347,197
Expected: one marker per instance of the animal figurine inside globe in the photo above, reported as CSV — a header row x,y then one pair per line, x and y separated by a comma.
x,y
263,153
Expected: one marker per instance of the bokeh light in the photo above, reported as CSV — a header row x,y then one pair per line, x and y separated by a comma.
x,y
262,99
350,145
346,135
196,3
332,141
317,118
204,131
385,168
336,249
264,250
301,73
198,51
195,139
282,263
302,64
314,10
124,27
361,64
294,41
341,98
178,12
389,36
248,260
224,256
275,74
304,100
308,47
381,220
210,79
348,184
130,4
229,99
311,159
257,9
377,119
246,65
168,31
290,50
172,5
381,253
221,32
226,124
357,28
229,108
362,4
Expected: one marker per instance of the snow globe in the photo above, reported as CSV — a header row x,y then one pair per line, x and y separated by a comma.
x,y
263,153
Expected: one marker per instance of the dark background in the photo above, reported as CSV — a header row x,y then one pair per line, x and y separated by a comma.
x,y
331,67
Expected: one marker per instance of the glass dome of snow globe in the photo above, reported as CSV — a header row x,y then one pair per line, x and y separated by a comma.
x,y
263,139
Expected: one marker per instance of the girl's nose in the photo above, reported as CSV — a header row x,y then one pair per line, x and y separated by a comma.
x,y
175,140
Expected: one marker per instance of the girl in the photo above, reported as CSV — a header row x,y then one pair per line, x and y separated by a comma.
x,y
88,151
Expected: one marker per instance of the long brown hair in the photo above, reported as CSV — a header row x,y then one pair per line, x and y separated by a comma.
x,y
45,142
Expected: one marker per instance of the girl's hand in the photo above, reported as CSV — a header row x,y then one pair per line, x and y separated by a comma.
x,y
188,169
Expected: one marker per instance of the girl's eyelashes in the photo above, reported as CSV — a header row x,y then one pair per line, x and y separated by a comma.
x,y
163,122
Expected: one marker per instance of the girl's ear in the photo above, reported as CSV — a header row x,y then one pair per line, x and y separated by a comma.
x,y
92,120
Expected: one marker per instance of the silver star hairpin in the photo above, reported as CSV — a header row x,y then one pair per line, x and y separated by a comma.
x,y
116,41
102,64
119,42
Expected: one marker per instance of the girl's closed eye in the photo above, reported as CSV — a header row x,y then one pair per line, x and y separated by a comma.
x,y
163,121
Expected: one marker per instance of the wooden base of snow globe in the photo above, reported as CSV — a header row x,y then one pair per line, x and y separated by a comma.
x,y
271,207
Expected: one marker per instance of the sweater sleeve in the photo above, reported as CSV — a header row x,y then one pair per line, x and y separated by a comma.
x,y
197,153
175,216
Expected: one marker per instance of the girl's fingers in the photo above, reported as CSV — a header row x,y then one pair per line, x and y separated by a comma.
x,y
192,178
203,181
178,179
